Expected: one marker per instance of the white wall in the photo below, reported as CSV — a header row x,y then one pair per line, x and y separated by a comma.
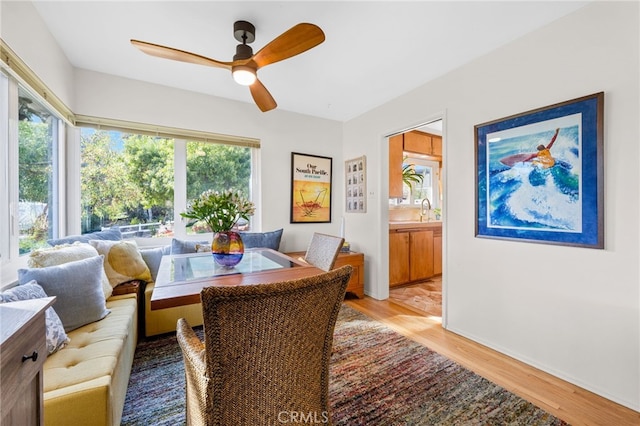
x,y
23,30
573,312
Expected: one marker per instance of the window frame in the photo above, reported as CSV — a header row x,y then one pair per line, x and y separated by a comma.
x,y
10,258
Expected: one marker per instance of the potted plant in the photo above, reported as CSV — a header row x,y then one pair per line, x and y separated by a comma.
x,y
221,211
409,174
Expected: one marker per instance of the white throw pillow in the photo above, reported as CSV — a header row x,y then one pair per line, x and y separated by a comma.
x,y
56,337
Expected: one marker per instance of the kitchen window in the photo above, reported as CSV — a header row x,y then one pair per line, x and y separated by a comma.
x,y
429,188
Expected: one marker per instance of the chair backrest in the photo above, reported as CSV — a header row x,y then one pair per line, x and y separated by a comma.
x,y
323,251
268,347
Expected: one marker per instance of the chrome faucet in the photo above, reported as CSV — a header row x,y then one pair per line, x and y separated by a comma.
x,y
423,211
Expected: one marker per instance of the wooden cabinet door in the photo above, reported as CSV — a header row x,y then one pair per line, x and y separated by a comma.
x,y
417,142
356,260
395,166
421,259
437,255
436,145
398,258
21,384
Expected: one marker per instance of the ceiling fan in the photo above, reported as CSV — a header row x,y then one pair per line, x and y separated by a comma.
x,y
245,64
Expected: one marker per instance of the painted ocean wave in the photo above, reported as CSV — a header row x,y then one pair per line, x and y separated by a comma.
x,y
527,197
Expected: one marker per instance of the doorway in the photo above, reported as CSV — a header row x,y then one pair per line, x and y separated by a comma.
x,y
416,220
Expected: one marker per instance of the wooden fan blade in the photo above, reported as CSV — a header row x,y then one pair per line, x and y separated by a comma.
x,y
178,55
262,97
292,42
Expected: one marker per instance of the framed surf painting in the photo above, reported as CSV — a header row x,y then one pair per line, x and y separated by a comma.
x,y
539,175
310,188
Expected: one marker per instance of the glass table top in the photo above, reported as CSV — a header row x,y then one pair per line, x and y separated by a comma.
x,y
201,265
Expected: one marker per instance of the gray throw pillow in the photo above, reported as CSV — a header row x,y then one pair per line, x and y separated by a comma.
x,y
56,337
112,234
78,288
186,246
152,257
262,239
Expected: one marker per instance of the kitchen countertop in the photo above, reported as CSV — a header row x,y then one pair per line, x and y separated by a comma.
x,y
408,224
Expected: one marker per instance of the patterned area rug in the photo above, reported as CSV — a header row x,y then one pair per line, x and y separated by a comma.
x,y
378,377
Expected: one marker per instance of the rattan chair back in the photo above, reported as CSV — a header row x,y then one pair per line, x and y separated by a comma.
x,y
265,359
323,250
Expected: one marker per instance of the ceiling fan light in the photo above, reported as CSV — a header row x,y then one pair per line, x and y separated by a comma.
x,y
244,75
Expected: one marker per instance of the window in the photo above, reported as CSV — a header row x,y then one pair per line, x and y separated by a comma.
x,y
5,199
218,167
130,180
126,180
429,188
30,170
38,133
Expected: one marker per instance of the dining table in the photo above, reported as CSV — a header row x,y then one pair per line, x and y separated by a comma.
x,y
181,277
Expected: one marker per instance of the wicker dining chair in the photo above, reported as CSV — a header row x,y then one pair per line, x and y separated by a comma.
x,y
323,251
266,352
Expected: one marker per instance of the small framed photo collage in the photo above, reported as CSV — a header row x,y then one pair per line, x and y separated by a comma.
x,y
356,185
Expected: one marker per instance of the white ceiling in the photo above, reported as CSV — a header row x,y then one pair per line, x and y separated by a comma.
x,y
374,51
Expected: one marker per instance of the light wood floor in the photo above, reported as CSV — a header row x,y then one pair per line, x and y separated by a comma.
x,y
425,296
564,400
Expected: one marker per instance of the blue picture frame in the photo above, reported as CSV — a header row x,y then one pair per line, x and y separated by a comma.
x,y
539,175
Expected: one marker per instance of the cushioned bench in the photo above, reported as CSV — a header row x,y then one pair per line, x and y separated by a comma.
x,y
85,383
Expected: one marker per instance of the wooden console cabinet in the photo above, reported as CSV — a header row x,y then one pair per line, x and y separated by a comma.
x,y
356,260
23,350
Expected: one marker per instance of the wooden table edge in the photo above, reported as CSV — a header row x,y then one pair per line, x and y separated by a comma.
x,y
187,293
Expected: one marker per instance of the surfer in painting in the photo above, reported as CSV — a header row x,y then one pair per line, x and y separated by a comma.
x,y
543,157
543,163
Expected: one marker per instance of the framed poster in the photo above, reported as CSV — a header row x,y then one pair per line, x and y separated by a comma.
x,y
310,188
356,185
539,175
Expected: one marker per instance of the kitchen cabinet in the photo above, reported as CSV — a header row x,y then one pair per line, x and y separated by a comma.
x,y
437,254
398,258
422,143
395,166
415,253
420,255
436,145
417,142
